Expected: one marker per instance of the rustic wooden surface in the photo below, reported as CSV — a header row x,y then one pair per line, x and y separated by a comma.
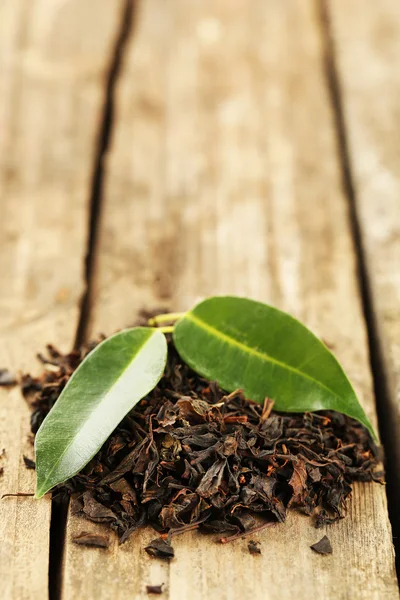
x,y
371,107
51,93
224,177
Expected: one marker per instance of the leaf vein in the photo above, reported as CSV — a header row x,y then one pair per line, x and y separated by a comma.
x,y
233,342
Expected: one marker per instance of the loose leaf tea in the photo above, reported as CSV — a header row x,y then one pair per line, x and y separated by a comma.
x,y
246,344
323,546
254,547
190,456
29,463
108,383
7,378
91,539
160,548
154,589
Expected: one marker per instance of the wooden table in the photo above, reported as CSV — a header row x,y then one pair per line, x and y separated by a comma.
x,y
156,152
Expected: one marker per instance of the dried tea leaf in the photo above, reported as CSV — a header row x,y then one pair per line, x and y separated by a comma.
x,y
254,547
154,589
160,548
323,546
91,539
323,518
95,511
103,389
298,482
7,378
246,344
29,463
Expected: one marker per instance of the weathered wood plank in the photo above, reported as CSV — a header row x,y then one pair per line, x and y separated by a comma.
x,y
53,57
367,44
223,177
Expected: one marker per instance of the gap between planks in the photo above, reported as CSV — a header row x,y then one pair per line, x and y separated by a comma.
x,y
386,412
103,143
59,509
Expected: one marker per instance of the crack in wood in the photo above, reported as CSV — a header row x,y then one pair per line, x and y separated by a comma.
x,y
58,522
385,411
103,143
59,513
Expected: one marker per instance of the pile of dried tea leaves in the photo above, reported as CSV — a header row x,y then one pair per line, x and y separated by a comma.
x,y
189,456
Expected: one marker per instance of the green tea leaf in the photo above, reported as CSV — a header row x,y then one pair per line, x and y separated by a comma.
x,y
246,344
104,388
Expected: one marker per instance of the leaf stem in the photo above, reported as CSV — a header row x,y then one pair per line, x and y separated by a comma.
x,y
225,540
165,318
167,329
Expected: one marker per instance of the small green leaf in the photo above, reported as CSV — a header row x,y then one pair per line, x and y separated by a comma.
x,y
246,344
108,383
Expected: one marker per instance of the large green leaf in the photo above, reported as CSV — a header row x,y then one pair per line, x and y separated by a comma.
x,y
107,384
246,344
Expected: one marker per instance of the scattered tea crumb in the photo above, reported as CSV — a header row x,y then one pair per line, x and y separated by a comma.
x,y
7,378
29,463
160,548
323,546
154,589
254,547
91,539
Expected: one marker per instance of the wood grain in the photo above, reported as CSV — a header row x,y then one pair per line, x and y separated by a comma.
x,y
371,99
53,57
223,177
